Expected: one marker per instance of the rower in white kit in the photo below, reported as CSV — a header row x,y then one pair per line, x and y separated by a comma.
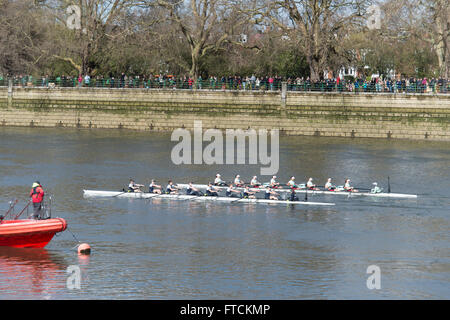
x,y
329,186
310,185
254,182
291,183
274,183
218,181
348,187
238,182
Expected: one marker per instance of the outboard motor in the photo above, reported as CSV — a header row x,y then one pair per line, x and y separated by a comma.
x,y
46,211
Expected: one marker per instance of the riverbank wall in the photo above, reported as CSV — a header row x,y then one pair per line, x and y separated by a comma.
x,y
380,115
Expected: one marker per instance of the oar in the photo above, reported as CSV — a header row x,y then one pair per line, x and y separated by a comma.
x,y
193,198
323,187
158,195
120,193
201,195
358,188
242,197
389,186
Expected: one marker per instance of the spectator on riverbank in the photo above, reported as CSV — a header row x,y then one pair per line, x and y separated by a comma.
x,y
270,83
238,82
87,80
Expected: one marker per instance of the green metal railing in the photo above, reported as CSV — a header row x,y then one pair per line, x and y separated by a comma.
x,y
233,84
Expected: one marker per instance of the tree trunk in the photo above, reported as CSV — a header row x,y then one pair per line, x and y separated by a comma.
x,y
195,64
442,55
441,44
440,52
314,69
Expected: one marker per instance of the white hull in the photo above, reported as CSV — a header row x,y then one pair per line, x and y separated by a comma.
x,y
313,192
139,195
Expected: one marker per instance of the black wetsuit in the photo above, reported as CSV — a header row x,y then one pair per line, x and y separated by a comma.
x,y
191,192
209,193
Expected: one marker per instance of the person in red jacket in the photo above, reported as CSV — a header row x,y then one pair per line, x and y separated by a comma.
x,y
37,196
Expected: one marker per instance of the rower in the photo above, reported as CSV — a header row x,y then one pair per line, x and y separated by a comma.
x,y
212,191
218,181
310,185
192,191
171,188
270,195
273,182
154,188
254,182
376,188
293,196
134,187
329,186
291,183
348,187
248,194
230,191
238,182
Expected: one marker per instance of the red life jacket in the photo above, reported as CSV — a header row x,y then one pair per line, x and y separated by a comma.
x,y
37,194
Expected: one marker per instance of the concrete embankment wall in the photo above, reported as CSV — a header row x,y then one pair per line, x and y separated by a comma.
x,y
406,116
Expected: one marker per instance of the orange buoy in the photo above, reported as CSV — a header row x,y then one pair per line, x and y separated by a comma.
x,y
84,248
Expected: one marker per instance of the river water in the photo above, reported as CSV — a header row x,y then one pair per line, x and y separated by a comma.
x,y
161,249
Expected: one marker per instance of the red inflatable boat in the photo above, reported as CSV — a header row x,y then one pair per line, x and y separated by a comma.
x,y
30,233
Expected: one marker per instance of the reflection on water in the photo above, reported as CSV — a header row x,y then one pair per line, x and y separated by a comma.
x,y
161,249
31,272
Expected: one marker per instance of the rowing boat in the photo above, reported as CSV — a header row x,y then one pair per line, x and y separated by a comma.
x,y
325,192
143,195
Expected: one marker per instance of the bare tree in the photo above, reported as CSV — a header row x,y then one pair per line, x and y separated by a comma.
x,y
206,25
437,32
85,26
23,34
317,26
426,21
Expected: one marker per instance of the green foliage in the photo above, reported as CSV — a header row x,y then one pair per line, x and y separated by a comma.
x,y
291,63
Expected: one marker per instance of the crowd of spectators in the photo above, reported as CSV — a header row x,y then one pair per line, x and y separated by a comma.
x,y
271,83
374,84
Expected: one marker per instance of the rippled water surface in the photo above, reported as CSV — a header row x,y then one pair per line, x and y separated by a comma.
x,y
161,249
